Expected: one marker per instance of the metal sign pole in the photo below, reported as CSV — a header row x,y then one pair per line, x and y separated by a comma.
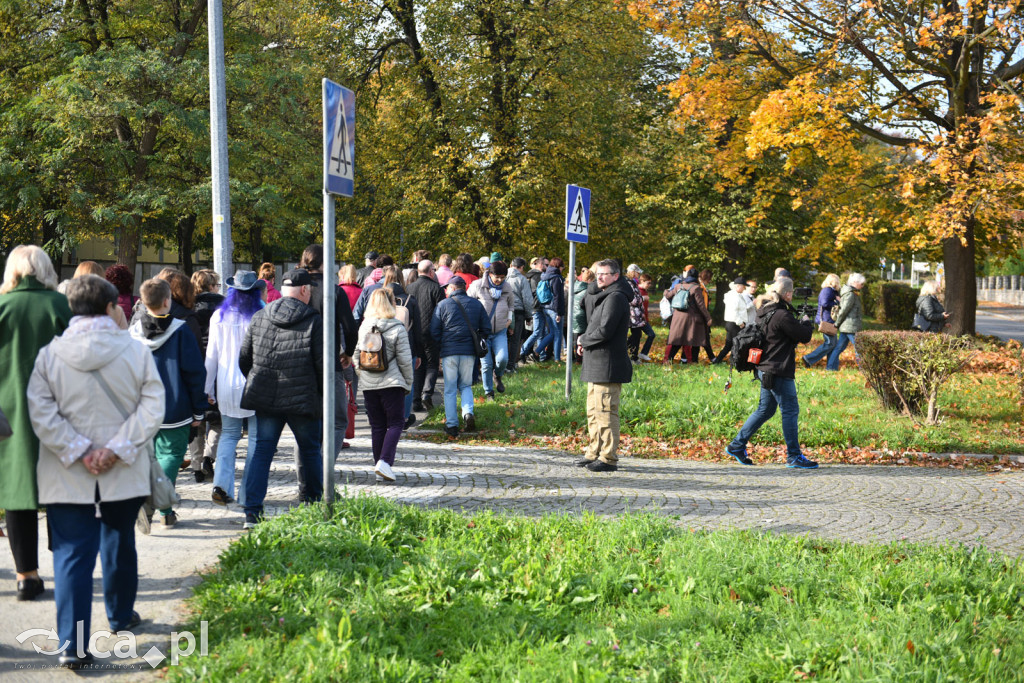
x,y
223,258
568,321
329,452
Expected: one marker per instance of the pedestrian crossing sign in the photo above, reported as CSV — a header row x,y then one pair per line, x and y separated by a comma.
x,y
339,139
577,214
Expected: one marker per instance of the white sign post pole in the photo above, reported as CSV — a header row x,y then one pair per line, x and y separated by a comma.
x,y
577,229
339,176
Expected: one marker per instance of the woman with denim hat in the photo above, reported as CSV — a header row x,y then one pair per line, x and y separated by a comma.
x,y
223,375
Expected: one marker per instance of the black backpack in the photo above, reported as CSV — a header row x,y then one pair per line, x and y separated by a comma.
x,y
750,337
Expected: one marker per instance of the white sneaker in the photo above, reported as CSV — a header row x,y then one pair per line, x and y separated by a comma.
x,y
644,357
384,470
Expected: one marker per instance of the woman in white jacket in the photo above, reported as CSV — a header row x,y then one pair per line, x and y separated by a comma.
x,y
739,312
96,402
384,391
227,330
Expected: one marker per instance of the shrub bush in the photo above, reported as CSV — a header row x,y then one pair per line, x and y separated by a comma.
x,y
907,369
892,303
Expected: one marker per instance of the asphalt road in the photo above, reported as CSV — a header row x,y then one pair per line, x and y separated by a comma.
x,y
1005,323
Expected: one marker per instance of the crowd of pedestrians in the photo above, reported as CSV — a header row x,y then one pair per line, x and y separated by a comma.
x,y
105,389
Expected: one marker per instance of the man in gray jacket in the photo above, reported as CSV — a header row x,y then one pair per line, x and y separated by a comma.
x,y
522,300
606,365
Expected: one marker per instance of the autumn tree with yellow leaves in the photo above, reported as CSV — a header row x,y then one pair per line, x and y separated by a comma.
x,y
910,111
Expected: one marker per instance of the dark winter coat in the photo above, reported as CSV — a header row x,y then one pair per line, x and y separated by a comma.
x,y
929,308
782,334
579,313
605,358
827,298
533,275
30,317
206,304
428,295
404,299
364,273
557,303
178,312
449,327
689,327
347,330
180,364
281,358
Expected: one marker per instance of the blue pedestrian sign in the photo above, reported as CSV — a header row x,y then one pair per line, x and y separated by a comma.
x,y
577,214
339,139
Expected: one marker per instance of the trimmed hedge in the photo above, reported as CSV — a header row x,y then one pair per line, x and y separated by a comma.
x,y
907,369
892,303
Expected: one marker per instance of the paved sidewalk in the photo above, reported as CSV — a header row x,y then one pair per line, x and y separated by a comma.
x,y
854,503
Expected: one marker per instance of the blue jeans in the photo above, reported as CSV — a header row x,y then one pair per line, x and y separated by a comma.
x,y
268,432
77,536
230,435
495,362
845,339
540,330
554,335
781,395
822,351
458,380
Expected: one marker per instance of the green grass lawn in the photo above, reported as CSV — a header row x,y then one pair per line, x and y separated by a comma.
x,y
392,593
668,410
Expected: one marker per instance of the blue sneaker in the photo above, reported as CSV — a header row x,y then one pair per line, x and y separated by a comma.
x,y
801,463
741,458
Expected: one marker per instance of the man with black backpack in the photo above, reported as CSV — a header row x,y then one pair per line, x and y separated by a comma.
x,y
776,335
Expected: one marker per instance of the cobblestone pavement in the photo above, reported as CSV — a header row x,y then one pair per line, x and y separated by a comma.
x,y
854,503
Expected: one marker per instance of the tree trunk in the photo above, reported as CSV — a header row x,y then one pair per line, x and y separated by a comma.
x,y
256,242
128,239
186,229
959,281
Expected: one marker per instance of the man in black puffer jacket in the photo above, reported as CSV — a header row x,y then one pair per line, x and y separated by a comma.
x,y
777,372
281,358
606,365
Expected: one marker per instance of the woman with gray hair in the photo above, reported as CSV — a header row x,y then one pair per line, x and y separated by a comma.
x,y
850,319
777,372
32,312
96,403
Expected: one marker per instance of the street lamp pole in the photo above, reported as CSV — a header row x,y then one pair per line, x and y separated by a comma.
x,y
223,258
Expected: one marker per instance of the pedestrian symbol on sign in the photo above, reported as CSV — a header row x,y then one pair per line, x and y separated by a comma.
x,y
341,165
578,223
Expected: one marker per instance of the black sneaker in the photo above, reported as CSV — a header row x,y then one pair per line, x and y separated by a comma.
x,y
428,403
601,466
220,496
208,466
134,621
583,462
417,406
74,662
452,432
499,386
489,395
251,521
741,458
801,463
200,477
170,519
470,422
409,422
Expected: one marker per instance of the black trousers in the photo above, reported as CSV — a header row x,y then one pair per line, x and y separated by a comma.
x,y
23,535
731,331
424,378
515,338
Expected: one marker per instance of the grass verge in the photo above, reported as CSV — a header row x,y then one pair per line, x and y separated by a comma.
x,y
395,593
685,411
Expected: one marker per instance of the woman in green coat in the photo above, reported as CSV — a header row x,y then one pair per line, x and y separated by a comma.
x,y
32,313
